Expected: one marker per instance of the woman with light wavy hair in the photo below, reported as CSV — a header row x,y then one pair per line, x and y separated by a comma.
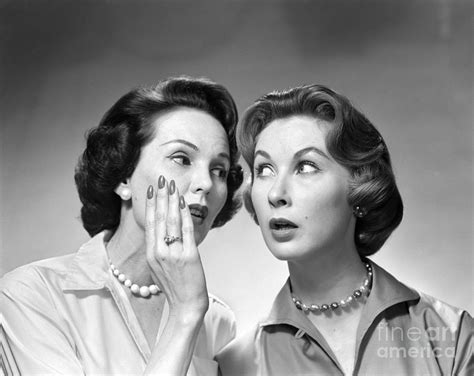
x,y
324,195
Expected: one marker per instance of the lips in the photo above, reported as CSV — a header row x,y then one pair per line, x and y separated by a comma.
x,y
282,229
198,211
282,224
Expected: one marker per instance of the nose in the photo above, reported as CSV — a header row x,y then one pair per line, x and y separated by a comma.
x,y
278,194
202,181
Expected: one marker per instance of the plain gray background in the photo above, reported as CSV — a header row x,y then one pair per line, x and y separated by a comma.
x,y
407,64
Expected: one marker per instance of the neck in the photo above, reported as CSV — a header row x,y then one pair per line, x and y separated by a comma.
x,y
327,277
126,250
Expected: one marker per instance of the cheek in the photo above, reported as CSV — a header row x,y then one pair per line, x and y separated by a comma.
x,y
142,178
328,207
339,200
327,197
219,197
139,183
222,192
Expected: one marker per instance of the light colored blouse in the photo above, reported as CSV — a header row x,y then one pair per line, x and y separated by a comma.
x,y
402,332
70,315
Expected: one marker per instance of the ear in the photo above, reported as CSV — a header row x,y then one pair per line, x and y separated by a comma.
x,y
124,190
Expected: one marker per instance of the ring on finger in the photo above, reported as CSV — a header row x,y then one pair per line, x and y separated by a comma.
x,y
170,239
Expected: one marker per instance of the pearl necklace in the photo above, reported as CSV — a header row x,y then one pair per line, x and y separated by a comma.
x,y
143,291
361,290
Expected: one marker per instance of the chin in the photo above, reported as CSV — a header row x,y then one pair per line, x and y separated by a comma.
x,y
201,229
290,251
291,257
280,256
282,251
200,234
198,238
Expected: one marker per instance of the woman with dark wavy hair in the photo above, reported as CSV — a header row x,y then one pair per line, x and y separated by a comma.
x,y
158,172
324,195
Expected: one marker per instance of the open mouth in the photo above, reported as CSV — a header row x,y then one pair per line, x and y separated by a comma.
x,y
281,224
198,211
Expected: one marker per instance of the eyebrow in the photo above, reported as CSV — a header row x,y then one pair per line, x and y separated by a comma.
x,y
309,149
192,146
297,155
181,141
264,154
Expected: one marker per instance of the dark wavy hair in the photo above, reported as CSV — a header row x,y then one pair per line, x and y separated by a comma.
x,y
352,141
114,146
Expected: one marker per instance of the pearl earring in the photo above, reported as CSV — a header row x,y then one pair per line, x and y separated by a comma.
x,y
359,211
125,194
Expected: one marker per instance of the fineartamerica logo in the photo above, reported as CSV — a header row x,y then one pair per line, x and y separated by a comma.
x,y
415,342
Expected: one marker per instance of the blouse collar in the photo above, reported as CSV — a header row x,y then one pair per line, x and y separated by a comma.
x,y
386,292
88,270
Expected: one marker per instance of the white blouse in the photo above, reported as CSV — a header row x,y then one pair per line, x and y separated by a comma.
x,y
68,315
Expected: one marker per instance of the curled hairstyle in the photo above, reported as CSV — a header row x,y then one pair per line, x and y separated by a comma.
x,y
352,141
114,146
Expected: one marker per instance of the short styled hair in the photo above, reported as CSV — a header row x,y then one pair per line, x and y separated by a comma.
x,y
352,141
114,146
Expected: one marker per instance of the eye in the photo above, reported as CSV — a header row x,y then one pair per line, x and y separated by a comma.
x,y
307,167
220,172
263,170
181,159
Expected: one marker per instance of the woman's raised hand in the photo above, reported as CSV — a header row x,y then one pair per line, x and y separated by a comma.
x,y
172,253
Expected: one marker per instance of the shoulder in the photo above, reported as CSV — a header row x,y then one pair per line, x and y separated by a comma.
x,y
446,327
438,313
219,324
450,328
36,275
220,317
220,310
30,293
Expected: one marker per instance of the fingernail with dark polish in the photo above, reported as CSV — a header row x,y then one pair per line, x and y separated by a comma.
x,y
182,204
149,192
172,187
161,181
